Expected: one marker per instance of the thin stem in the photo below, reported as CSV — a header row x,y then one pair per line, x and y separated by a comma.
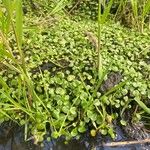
x,y
19,49
99,41
67,115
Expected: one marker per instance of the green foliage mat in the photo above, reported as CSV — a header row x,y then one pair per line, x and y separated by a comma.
x,y
62,63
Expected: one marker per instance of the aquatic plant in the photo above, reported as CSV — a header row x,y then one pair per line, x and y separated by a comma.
x,y
49,79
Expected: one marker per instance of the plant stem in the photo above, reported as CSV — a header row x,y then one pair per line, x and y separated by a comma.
x,y
99,38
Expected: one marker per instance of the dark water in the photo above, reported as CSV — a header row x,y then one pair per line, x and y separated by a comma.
x,y
14,140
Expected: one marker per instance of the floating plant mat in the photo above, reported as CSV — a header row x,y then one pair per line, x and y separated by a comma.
x,y
62,63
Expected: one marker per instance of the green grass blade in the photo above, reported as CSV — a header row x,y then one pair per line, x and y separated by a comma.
x,y
5,42
101,80
7,5
4,53
16,105
59,133
18,26
106,12
5,114
12,67
115,88
31,89
19,21
60,5
99,61
134,5
119,9
5,23
146,9
143,106
3,84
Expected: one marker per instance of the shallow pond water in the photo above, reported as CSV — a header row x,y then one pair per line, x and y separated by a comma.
x,y
14,140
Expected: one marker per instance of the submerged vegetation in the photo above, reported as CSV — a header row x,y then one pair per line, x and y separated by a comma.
x,y
63,72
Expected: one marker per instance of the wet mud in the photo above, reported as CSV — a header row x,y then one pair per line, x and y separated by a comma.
x,y
12,138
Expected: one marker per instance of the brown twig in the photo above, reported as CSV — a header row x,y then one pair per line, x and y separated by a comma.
x,y
92,39
127,143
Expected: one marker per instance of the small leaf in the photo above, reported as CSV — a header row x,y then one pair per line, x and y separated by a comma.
x,y
73,110
65,109
103,131
111,132
82,129
123,122
60,91
97,102
74,132
55,134
70,77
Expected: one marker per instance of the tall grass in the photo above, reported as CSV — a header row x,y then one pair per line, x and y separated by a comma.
x,y
145,13
140,10
12,21
102,19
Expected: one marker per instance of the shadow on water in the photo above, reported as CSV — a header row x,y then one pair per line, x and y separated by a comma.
x,y
12,138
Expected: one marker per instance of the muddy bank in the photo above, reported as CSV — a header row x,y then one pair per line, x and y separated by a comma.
x,y
12,138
